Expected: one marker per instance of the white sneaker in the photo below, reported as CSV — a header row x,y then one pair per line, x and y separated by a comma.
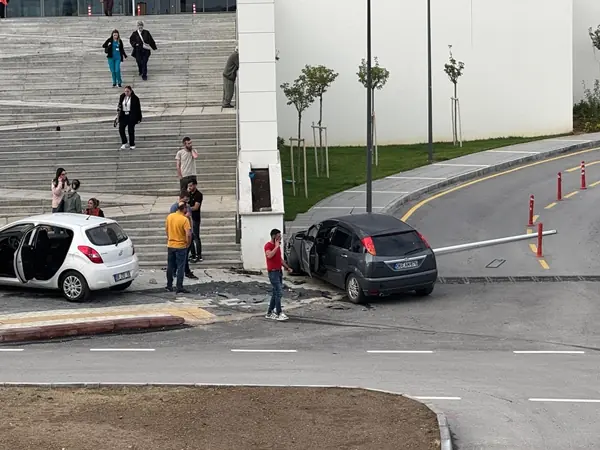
x,y
281,317
132,147
271,316
124,147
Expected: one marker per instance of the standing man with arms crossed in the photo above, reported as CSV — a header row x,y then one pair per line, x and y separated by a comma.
x,y
179,238
186,163
275,263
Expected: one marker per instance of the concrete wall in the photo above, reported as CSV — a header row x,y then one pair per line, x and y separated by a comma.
x,y
257,109
586,61
518,78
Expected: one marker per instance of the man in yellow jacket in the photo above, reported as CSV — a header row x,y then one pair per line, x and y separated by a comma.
x,y
179,239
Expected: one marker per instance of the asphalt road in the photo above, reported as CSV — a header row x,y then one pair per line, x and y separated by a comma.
x,y
498,206
466,336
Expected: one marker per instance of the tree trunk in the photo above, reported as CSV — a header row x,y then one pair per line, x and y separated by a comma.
x,y
455,110
299,137
320,130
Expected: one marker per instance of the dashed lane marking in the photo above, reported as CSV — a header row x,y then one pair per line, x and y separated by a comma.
x,y
399,351
548,352
122,349
535,218
571,194
573,169
551,205
594,184
565,400
544,264
11,350
437,398
533,248
242,350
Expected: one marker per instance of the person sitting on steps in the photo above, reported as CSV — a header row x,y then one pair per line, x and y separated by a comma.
x,y
129,112
142,42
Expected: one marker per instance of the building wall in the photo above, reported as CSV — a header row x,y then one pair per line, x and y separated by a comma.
x,y
257,115
518,78
586,61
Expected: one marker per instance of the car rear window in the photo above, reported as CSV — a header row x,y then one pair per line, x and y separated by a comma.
x,y
398,244
106,234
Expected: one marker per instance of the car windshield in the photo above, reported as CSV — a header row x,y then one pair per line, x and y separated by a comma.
x,y
398,244
106,234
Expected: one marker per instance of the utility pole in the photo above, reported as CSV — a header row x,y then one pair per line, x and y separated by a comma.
x,y
369,115
429,87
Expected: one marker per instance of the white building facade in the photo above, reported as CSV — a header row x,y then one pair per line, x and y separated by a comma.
x,y
586,60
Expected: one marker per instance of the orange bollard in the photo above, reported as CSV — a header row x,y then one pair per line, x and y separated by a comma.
x,y
583,184
531,204
539,239
559,188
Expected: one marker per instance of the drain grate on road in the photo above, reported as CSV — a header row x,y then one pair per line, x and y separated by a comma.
x,y
519,279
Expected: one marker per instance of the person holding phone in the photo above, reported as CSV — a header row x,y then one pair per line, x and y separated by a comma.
x,y
275,263
60,186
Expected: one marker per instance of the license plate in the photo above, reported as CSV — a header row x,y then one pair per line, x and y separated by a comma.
x,y
122,276
406,265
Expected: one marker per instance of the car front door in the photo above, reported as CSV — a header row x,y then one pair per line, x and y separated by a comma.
x,y
24,259
307,249
336,259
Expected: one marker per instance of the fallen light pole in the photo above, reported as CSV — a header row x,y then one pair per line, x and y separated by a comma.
x,y
492,242
559,188
531,204
583,184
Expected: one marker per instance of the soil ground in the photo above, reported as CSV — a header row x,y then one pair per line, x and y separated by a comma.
x,y
212,419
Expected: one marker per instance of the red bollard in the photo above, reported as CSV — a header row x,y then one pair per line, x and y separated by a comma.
x,y
139,10
531,201
559,188
583,186
194,8
539,236
89,10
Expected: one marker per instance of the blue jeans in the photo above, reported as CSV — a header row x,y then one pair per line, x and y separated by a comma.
x,y
114,65
176,264
276,279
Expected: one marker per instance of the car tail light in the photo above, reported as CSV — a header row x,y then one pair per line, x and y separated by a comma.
x,y
92,254
368,243
424,240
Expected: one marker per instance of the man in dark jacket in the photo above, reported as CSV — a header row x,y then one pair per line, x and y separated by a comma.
x,y
130,114
229,76
142,42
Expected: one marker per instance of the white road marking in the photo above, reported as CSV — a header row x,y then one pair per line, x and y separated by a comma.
x,y
8,350
399,351
565,400
513,151
548,352
121,350
414,178
382,192
243,350
461,165
568,140
437,398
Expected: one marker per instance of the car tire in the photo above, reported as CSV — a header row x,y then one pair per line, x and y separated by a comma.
x,y
121,287
353,290
294,262
74,287
424,292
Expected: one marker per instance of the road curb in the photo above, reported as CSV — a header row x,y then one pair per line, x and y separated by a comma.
x,y
394,207
46,332
445,436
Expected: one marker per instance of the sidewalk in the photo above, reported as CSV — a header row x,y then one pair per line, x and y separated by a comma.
x,y
391,192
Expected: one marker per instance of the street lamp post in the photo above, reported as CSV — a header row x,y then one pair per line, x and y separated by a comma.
x,y
369,115
429,88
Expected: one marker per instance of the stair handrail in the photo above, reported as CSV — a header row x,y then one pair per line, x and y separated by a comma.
x,y
238,224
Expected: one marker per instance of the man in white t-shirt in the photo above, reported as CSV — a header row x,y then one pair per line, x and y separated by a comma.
x,y
186,163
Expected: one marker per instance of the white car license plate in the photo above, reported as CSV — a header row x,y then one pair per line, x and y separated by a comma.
x,y
122,276
406,265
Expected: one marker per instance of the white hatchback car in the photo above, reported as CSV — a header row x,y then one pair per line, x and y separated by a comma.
x,y
71,252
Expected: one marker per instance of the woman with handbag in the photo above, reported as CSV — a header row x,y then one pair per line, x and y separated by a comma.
x,y
129,112
60,185
115,53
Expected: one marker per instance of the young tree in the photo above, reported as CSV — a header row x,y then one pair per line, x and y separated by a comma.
x,y
300,95
595,37
454,69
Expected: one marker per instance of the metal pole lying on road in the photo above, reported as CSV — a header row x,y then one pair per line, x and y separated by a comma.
x,y
489,243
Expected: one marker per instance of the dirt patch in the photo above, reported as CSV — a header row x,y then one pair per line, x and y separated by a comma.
x,y
213,419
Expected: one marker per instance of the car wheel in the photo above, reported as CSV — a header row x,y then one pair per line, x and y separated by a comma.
x,y
353,290
74,287
424,292
121,287
294,262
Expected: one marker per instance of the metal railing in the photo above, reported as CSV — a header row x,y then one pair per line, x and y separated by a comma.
x,y
238,220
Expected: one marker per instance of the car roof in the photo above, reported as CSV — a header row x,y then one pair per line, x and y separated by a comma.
x,y
374,224
65,219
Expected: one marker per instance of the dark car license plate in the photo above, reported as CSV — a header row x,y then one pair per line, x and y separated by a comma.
x,y
122,276
406,265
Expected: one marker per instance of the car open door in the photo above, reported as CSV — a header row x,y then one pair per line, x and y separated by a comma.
x,y
307,249
23,259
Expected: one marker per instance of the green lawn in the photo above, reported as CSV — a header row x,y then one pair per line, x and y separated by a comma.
x,y
347,167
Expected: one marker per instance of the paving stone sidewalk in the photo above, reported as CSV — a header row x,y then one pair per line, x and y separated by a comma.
x,y
391,192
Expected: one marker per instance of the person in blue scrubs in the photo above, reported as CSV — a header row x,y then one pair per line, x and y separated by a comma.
x,y
115,53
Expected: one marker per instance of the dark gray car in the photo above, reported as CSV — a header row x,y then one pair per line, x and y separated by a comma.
x,y
365,254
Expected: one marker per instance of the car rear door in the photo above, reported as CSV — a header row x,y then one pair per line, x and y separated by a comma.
x,y
111,242
400,253
336,257
23,260
307,247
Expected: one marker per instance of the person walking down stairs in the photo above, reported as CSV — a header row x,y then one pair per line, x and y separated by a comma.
x,y
229,76
73,199
115,54
108,7
142,42
130,114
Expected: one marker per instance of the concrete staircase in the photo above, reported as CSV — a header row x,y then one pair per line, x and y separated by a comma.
x,y
46,85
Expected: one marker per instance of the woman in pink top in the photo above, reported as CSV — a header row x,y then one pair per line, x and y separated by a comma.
x,y
60,185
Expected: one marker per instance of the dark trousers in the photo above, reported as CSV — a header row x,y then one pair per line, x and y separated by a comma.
x,y
2,11
126,122
142,56
176,261
108,7
228,90
276,279
196,247
183,182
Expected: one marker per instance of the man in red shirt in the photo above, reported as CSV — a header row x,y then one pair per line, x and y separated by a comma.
x,y
275,263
